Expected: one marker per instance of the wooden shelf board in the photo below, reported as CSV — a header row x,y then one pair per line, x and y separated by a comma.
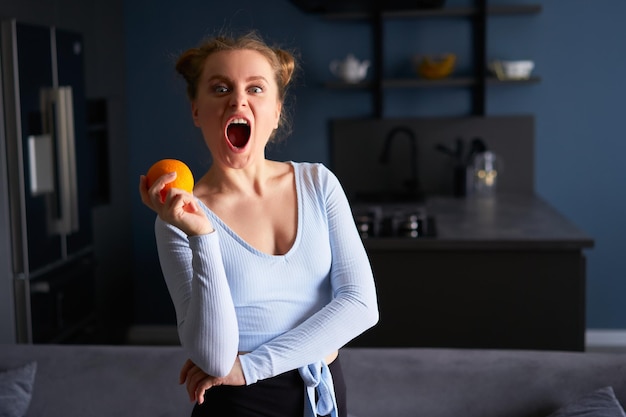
x,y
423,83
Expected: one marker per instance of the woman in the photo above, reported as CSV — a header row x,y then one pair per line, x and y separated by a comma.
x,y
267,272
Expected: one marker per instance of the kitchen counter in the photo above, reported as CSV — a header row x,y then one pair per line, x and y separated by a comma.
x,y
502,273
505,221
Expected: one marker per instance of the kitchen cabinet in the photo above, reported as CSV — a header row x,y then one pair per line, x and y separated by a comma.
x,y
503,273
478,80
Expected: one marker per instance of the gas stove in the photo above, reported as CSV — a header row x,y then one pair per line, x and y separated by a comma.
x,y
393,221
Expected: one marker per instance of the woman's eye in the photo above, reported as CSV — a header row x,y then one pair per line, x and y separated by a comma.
x,y
256,89
220,89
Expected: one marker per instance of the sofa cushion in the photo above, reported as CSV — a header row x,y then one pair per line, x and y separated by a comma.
x,y
102,381
599,403
396,382
16,387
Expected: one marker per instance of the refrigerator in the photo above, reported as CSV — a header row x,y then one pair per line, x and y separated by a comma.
x,y
47,264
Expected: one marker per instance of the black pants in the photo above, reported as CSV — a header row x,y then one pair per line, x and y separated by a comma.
x,y
280,396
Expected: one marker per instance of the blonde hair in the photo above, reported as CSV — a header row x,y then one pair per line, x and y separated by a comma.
x,y
191,63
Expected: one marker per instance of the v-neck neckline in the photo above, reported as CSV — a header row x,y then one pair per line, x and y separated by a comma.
x,y
215,218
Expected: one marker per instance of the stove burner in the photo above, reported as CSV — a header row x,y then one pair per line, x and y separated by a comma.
x,y
405,222
410,226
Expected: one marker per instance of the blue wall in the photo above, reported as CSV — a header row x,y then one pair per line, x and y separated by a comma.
x,y
580,54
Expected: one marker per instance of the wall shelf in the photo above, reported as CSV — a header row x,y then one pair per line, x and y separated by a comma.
x,y
477,81
467,81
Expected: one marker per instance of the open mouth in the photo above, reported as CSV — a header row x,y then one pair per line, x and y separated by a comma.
x,y
238,132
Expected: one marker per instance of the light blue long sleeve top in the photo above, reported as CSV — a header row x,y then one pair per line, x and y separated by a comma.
x,y
288,311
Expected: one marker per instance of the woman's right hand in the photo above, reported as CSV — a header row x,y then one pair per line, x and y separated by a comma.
x,y
179,208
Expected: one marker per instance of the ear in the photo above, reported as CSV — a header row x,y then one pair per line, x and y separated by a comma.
x,y
194,113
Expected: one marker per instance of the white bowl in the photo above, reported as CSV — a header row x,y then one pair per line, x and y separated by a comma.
x,y
513,70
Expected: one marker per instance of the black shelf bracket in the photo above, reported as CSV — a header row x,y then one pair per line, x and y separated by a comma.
x,y
378,42
480,57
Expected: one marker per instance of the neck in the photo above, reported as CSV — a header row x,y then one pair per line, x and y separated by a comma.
x,y
249,181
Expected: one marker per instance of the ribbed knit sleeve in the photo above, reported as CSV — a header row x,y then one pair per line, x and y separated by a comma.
x,y
353,307
196,280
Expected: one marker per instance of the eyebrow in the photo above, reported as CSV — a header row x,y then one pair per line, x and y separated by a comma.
x,y
249,79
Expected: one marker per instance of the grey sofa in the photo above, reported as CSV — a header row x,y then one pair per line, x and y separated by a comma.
x,y
121,381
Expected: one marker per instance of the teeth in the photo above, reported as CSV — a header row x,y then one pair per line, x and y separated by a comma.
x,y
239,122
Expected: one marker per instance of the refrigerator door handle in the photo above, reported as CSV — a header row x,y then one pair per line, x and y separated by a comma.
x,y
58,119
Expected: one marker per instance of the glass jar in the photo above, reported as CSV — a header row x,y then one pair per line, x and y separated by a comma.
x,y
485,174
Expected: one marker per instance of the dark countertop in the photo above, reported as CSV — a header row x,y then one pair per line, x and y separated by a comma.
x,y
501,222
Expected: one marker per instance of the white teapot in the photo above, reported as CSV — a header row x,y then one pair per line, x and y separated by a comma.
x,y
350,69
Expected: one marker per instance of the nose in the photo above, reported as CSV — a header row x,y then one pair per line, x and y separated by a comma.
x,y
239,98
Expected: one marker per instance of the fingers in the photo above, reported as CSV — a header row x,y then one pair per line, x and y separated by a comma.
x,y
184,371
151,196
194,377
157,200
197,383
177,200
204,385
158,186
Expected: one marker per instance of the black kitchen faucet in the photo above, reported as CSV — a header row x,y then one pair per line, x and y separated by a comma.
x,y
412,184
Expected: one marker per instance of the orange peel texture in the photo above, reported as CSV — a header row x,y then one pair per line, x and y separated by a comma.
x,y
184,177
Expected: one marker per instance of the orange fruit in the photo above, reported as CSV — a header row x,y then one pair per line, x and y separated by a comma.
x,y
184,177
